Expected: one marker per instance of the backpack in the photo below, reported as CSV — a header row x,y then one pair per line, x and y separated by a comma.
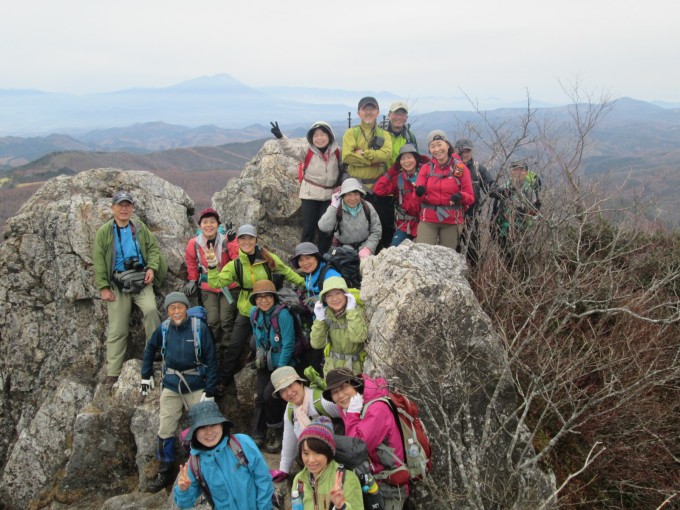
x,y
197,315
417,449
302,167
275,277
345,260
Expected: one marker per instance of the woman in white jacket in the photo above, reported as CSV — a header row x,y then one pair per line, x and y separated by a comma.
x,y
319,173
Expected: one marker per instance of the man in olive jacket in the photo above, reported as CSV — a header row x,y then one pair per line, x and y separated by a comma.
x,y
127,262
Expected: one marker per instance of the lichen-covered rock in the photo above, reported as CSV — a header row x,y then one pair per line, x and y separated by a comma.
x,y
428,330
266,195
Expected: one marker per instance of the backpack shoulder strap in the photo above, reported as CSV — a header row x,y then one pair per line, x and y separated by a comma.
x,y
317,395
275,318
308,158
196,329
235,447
338,155
165,325
195,468
367,212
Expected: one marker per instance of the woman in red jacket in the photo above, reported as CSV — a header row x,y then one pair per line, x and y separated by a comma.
x,y
399,181
445,190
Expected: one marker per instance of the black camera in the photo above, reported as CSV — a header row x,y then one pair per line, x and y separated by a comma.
x,y
133,264
377,143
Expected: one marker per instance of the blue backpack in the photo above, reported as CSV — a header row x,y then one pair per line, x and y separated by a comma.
x,y
196,314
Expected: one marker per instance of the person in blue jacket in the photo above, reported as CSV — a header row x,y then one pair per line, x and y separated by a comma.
x,y
315,269
231,465
274,348
189,376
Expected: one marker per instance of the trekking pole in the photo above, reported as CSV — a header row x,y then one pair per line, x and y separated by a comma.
x,y
349,120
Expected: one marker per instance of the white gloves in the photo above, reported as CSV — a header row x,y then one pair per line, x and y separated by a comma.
x,y
205,398
336,198
351,301
319,311
146,386
356,403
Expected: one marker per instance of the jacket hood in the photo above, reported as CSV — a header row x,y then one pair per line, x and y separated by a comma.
x,y
374,388
326,127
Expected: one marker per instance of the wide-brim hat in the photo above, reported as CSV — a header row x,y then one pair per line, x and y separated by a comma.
x,y
282,378
203,414
305,248
336,378
263,287
333,283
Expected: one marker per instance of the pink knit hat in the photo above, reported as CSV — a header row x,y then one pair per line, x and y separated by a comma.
x,y
321,428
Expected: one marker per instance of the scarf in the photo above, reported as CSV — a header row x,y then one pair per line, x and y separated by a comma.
x,y
302,411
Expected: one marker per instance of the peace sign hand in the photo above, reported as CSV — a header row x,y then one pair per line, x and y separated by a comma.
x,y
210,257
337,494
183,480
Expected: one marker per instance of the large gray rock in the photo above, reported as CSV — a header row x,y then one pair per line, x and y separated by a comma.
x,y
428,330
266,195
52,322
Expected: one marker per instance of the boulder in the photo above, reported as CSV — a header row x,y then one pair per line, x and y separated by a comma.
x,y
430,335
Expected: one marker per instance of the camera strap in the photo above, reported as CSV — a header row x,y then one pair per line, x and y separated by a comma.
x,y
120,240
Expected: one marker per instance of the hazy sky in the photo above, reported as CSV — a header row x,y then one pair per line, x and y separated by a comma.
x,y
413,48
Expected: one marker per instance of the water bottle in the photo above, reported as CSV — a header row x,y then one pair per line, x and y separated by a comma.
x,y
369,484
296,500
413,450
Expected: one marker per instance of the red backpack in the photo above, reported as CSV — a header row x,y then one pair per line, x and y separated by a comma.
x,y
302,167
417,449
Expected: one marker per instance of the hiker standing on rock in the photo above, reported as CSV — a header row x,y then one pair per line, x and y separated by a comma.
x,y
219,304
352,220
319,174
367,152
303,405
252,264
445,191
231,467
127,262
189,374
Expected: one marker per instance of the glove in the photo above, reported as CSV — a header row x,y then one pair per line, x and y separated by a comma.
x,y
455,199
335,200
365,252
319,311
146,386
351,301
206,398
420,191
356,403
276,131
189,288
231,231
278,475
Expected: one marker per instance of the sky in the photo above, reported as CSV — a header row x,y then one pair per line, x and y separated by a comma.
x,y
414,48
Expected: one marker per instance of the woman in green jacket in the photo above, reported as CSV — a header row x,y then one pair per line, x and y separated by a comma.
x,y
322,484
340,327
254,263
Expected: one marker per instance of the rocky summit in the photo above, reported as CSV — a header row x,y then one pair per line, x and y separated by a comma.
x,y
70,442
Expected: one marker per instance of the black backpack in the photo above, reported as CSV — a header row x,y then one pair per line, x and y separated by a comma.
x,y
345,260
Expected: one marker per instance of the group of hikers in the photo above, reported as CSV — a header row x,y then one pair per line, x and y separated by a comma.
x,y
305,339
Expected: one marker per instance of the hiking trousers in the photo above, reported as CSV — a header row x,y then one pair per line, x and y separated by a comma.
x,y
232,359
268,410
221,316
384,206
312,210
172,406
119,324
444,234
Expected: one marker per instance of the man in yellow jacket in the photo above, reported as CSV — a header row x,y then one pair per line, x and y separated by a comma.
x,y
366,150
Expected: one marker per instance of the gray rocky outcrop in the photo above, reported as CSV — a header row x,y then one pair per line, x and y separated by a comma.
x,y
71,443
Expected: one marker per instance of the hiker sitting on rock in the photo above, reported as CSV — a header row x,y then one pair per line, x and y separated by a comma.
x,y
219,304
304,404
189,376
319,173
340,327
253,263
374,423
400,182
352,220
323,483
274,334
231,467
127,261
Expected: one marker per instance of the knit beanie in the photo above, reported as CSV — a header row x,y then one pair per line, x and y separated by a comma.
x,y
176,297
321,428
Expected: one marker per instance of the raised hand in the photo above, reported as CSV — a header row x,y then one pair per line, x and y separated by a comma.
x,y
276,131
337,494
210,257
183,480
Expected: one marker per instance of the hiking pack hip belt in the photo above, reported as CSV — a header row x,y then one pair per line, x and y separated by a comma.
x,y
401,215
309,181
441,210
345,357
337,242
130,281
181,374
370,181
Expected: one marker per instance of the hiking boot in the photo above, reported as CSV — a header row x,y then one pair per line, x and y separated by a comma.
x,y
274,439
162,480
110,381
259,441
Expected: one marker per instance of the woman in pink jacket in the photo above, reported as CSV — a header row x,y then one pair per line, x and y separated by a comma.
x,y
219,304
445,190
372,421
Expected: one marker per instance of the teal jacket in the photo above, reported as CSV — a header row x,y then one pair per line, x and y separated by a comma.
x,y
104,253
